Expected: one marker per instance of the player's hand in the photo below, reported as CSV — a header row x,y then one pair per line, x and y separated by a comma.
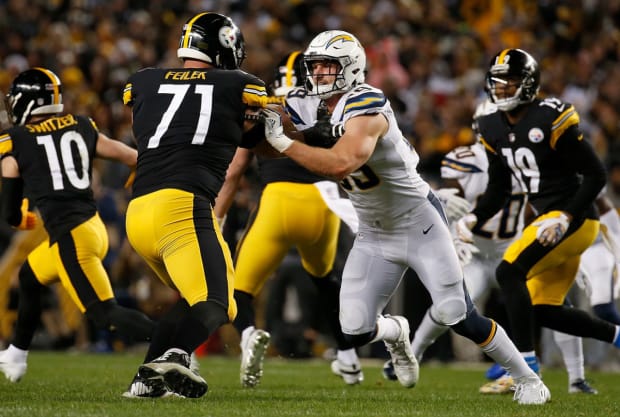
x,y
465,251
456,206
323,134
463,227
552,229
274,131
29,218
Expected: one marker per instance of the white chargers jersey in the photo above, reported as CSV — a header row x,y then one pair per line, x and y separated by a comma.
x,y
468,165
388,185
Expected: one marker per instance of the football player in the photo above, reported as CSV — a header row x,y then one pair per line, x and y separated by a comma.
x,y
538,142
51,156
188,123
402,223
465,168
291,213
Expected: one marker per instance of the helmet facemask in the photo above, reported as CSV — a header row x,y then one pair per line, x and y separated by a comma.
x,y
313,81
513,68
335,46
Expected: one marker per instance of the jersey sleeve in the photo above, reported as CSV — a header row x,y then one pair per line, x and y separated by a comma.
x,y
6,144
364,101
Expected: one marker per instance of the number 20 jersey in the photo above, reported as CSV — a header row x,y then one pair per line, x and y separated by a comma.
x,y
188,122
388,184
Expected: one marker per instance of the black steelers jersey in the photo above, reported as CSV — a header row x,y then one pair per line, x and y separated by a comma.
x,y
55,159
285,170
547,154
188,124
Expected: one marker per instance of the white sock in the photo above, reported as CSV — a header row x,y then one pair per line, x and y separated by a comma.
x,y
17,354
246,333
503,351
388,329
426,334
348,357
572,353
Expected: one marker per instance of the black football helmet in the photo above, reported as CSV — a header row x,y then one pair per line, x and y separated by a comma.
x,y
213,38
289,73
513,65
36,91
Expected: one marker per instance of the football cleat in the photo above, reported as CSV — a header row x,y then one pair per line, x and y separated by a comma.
x,y
351,374
13,369
388,371
502,385
142,387
581,386
495,371
405,364
253,349
174,367
530,390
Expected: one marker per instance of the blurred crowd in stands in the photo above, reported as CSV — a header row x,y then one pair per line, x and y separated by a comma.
x,y
429,57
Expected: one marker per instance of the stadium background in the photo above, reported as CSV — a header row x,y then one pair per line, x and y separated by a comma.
x,y
429,58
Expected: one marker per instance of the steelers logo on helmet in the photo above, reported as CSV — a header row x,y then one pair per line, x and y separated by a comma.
x,y
228,37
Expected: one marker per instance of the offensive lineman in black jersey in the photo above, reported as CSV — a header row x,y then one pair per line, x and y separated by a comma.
x,y
188,123
538,141
291,212
50,156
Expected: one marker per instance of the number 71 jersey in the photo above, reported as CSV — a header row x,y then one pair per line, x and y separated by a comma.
x,y
188,123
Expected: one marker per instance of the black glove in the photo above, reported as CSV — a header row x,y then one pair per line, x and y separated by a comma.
x,y
323,134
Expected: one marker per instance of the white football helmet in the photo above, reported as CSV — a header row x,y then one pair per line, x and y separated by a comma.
x,y
340,46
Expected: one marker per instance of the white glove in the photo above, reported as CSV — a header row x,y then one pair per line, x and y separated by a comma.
x,y
465,251
456,207
274,132
551,230
463,227
583,281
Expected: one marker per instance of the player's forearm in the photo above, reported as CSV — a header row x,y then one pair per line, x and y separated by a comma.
x,y
325,162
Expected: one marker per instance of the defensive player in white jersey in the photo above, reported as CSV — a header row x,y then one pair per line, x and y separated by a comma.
x,y
402,224
465,168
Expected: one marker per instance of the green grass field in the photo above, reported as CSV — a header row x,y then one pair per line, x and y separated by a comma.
x,y
76,385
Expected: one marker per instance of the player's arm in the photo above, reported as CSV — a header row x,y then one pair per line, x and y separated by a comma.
x,y
116,150
497,192
351,151
239,164
12,192
577,152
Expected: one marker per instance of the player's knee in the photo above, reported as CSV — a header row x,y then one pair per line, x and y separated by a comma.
x,y
507,274
99,313
450,310
356,340
211,314
475,327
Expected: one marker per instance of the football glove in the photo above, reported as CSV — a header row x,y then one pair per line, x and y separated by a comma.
x,y
456,207
29,218
274,132
465,251
552,229
463,227
584,282
323,134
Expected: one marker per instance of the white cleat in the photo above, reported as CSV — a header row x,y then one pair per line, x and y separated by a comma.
x,y
351,374
13,369
253,351
405,364
530,390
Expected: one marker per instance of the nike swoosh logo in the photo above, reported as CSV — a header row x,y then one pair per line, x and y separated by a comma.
x,y
425,231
